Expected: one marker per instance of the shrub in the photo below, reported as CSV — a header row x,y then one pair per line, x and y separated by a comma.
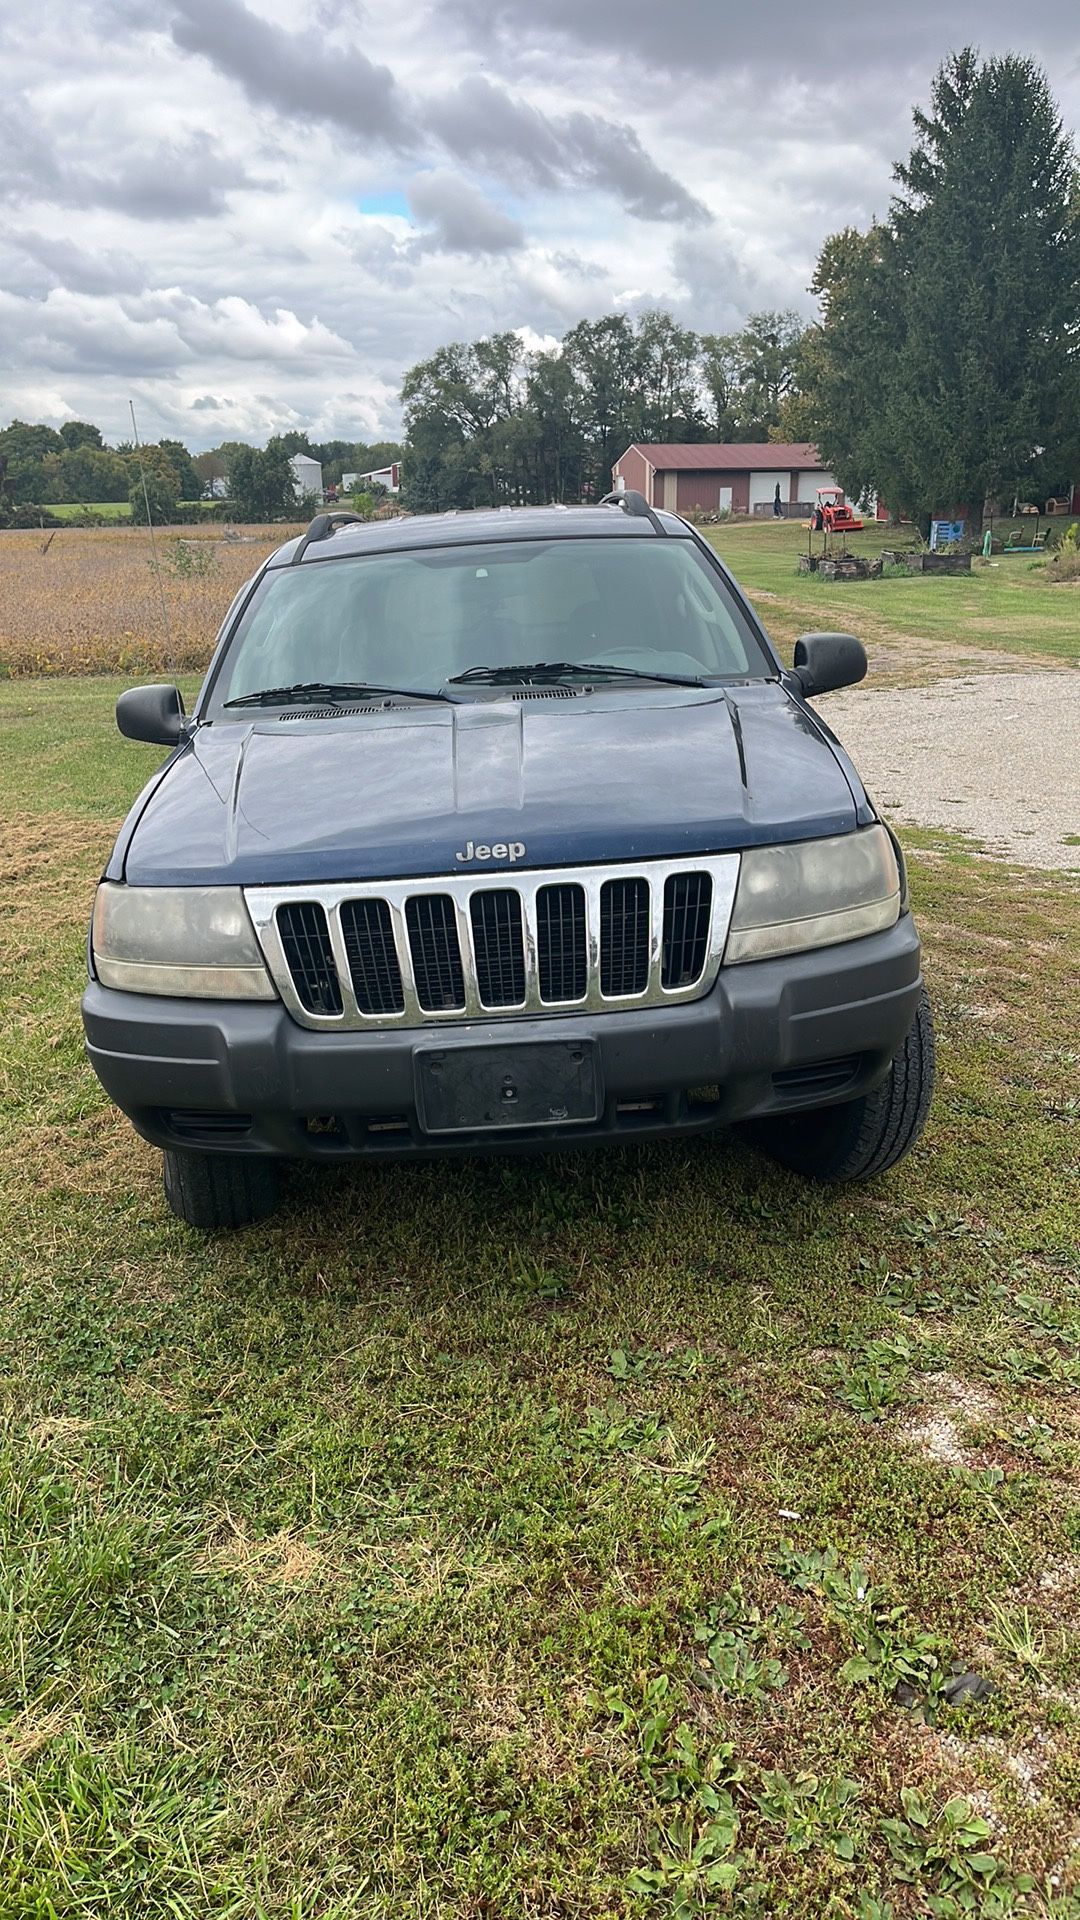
x,y
24,517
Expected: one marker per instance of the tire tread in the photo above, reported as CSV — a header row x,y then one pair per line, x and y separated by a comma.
x,y
868,1135
216,1192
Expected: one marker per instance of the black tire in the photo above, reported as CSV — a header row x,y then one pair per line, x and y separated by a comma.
x,y
864,1137
215,1191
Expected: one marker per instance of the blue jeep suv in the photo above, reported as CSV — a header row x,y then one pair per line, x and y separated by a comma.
x,y
502,829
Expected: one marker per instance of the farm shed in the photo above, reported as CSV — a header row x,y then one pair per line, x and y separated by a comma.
x,y
307,475
388,477
740,477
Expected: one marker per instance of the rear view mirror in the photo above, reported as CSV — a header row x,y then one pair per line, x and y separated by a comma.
x,y
825,661
154,714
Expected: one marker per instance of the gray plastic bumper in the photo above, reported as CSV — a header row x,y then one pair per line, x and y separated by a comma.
x,y
772,1036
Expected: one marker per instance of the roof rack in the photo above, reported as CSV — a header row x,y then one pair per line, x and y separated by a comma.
x,y
636,505
321,528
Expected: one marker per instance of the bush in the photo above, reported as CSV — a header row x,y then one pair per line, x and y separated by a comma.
x,y
1064,566
22,518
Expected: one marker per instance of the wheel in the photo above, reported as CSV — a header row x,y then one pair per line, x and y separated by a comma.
x,y
861,1137
218,1190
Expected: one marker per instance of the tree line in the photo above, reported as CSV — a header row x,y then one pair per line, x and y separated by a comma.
x,y
43,466
490,423
943,371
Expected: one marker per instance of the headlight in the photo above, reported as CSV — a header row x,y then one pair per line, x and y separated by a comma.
x,y
813,893
197,942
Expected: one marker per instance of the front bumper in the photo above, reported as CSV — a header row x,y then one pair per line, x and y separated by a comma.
x,y
771,1037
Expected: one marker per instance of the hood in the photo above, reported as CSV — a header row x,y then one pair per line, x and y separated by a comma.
x,y
618,775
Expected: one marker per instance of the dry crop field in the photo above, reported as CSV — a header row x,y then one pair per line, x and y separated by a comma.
x,y
84,599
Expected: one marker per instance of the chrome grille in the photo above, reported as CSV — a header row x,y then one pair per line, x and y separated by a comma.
x,y
417,952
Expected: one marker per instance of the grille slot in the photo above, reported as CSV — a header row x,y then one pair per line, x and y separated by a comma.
x,y
561,953
368,933
624,937
305,937
498,947
436,955
687,913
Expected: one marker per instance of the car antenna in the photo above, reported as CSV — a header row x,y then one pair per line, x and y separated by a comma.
x,y
153,542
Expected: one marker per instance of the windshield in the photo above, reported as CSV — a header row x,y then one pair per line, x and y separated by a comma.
x,y
420,619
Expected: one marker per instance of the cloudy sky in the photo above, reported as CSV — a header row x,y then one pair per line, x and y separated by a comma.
x,y
249,215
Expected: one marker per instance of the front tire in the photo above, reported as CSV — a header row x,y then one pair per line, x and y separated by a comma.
x,y
863,1137
217,1191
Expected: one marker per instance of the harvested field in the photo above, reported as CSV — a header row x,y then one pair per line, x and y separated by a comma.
x,y
85,600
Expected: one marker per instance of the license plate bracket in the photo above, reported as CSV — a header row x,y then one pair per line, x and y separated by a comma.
x,y
537,1083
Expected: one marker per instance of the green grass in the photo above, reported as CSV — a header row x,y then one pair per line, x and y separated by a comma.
x,y
537,1538
108,509
1004,605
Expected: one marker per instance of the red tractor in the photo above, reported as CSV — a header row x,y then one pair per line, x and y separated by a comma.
x,y
832,514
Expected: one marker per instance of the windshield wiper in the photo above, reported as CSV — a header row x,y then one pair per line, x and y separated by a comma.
x,y
542,670
333,693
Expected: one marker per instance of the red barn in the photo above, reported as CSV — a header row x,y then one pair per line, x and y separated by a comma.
x,y
739,477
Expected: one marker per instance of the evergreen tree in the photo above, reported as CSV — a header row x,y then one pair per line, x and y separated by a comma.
x,y
946,364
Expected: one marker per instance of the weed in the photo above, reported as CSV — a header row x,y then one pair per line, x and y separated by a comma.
x,y
1019,1636
944,1850
812,1812
891,1652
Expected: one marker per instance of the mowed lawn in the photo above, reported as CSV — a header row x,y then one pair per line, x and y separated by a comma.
x,y
572,1537
914,626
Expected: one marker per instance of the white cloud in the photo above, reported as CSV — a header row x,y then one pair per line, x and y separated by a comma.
x,y
254,214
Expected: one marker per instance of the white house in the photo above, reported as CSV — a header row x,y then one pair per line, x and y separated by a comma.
x,y
307,475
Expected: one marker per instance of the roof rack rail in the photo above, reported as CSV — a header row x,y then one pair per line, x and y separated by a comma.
x,y
321,528
637,506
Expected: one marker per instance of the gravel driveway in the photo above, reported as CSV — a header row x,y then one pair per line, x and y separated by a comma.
x,y
996,756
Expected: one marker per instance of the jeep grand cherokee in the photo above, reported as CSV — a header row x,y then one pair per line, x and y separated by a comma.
x,y
502,829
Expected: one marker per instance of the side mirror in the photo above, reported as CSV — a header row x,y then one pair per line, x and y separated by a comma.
x,y
154,714
824,661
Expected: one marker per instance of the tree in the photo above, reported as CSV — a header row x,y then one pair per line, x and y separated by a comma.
x,y
768,356
80,433
721,366
208,468
156,484
261,483
670,382
946,368
24,447
188,483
